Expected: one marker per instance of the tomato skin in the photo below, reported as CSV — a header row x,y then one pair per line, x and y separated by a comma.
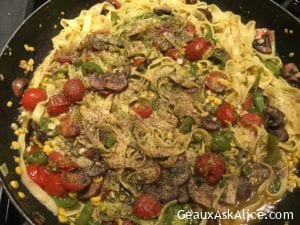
x,y
143,110
61,161
175,55
248,102
197,48
115,3
147,207
74,90
54,185
38,174
226,113
213,81
67,128
250,119
137,61
189,27
32,97
211,167
57,105
75,181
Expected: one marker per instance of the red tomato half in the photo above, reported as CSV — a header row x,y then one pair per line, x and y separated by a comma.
x,y
197,48
211,167
74,90
58,104
61,161
38,174
147,207
248,102
32,97
54,185
75,181
251,119
143,110
226,113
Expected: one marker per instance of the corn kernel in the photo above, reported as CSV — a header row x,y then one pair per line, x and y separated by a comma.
x,y
14,184
9,104
14,126
29,48
18,170
73,194
122,198
224,82
61,211
15,145
98,179
62,219
95,200
16,159
21,195
47,149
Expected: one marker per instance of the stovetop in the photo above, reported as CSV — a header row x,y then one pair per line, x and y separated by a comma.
x,y
14,12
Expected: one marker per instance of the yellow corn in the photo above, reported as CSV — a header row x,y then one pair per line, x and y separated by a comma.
x,y
98,179
15,145
224,82
47,149
122,198
14,184
9,104
16,159
21,195
95,200
62,219
61,211
18,170
29,48
72,194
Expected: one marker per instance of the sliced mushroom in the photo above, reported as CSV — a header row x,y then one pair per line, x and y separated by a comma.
x,y
291,73
92,154
162,11
91,191
273,118
244,190
257,171
178,174
101,41
18,86
183,196
202,194
206,13
280,132
97,169
262,42
210,123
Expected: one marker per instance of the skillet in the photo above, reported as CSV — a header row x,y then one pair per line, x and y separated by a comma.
x,y
38,30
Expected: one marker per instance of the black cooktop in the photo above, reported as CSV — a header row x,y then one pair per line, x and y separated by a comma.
x,y
13,13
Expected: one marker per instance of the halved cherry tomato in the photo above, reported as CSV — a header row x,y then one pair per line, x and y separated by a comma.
x,y
38,174
226,113
75,181
60,161
175,55
54,187
68,128
32,97
147,207
215,80
211,167
74,90
197,48
250,119
58,104
189,27
138,60
143,110
248,102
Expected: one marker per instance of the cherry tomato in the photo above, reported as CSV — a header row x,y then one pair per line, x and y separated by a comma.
x,y
60,161
211,167
197,48
38,174
143,110
248,102
115,3
58,104
137,61
32,97
67,128
18,86
147,207
63,58
54,187
75,181
215,80
226,113
74,90
175,54
250,119
189,27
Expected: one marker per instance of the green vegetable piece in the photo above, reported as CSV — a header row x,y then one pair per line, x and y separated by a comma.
x,y
90,67
221,56
114,18
85,214
275,68
67,202
37,157
273,151
221,140
246,170
194,70
44,122
62,70
259,102
110,141
187,124
275,185
170,215
257,79
210,34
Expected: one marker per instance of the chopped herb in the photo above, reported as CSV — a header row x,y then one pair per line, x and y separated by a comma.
x,y
187,124
90,67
